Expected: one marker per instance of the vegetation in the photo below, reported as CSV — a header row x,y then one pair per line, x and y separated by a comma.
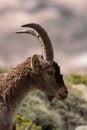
x,y
37,113
24,123
77,79
4,68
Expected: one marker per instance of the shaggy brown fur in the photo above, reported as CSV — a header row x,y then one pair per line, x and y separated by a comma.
x,y
15,84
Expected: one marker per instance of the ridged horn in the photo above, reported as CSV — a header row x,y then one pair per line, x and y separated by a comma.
x,y
45,42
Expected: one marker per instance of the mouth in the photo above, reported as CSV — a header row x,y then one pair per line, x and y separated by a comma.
x,y
61,97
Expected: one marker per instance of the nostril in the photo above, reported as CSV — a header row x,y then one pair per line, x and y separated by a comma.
x,y
66,91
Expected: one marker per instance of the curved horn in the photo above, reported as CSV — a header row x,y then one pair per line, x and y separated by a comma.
x,y
46,42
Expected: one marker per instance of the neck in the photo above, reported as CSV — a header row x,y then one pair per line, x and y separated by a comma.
x,y
17,84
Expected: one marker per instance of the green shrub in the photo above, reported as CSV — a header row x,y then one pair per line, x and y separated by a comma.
x,y
36,108
55,116
24,123
78,79
3,69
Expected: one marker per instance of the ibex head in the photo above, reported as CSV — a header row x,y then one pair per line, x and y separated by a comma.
x,y
48,71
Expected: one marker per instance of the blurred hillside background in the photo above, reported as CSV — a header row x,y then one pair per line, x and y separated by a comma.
x,y
65,22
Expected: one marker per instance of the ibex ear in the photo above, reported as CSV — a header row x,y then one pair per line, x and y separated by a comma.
x,y
35,63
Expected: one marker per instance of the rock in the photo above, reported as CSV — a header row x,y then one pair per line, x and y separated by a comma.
x,y
82,127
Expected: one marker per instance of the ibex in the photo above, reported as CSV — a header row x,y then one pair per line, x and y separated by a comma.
x,y
37,72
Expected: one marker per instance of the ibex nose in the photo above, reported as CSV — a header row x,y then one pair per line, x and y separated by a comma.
x,y
63,92
66,91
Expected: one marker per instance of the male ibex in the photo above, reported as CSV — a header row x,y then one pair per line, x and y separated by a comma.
x,y
37,72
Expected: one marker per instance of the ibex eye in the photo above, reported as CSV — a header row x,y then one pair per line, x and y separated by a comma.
x,y
50,72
